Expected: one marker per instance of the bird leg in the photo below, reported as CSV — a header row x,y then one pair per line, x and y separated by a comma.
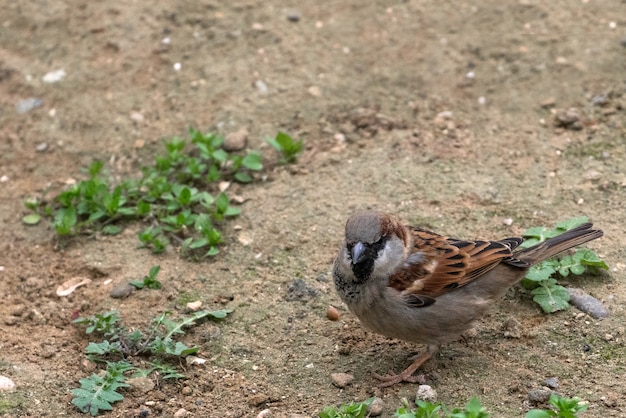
x,y
407,374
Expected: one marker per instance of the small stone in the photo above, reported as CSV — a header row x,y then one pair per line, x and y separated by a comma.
x,y
552,382
548,103
137,117
235,141
41,147
611,400
512,328
244,239
194,306
182,412
508,221
341,380
539,396
258,399
122,290
140,384
608,337
54,76
426,393
376,408
315,91
332,313
6,384
293,16
266,413
10,320
261,86
26,105
186,390
587,303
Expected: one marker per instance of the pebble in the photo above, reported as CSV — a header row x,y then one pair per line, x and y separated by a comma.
x,y
186,390
332,313
341,380
376,408
140,384
194,306
122,290
26,105
426,393
547,103
587,303
512,328
266,413
235,141
293,16
10,320
6,384
182,412
258,399
539,396
552,382
569,119
54,76
261,86
315,91
41,147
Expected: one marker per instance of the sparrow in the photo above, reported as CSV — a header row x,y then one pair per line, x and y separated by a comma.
x,y
415,285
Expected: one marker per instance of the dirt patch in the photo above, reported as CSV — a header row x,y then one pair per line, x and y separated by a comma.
x,y
455,117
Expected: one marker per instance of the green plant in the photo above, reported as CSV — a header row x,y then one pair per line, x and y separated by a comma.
x,y
351,410
121,345
565,408
287,147
97,393
149,281
541,279
177,196
473,409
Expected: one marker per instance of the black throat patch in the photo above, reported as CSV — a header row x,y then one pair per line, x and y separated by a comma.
x,y
363,270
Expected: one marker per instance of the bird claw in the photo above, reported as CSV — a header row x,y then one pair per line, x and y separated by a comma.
x,y
392,379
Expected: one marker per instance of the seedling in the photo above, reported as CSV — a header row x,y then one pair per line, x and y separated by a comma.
x,y
541,279
565,408
351,410
177,196
149,281
473,409
99,391
287,147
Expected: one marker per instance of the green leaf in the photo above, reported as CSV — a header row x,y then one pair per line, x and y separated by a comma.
x,y
111,230
551,296
31,219
539,413
221,203
243,177
541,271
252,161
571,223
65,220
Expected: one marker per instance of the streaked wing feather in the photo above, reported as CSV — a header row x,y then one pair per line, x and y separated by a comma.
x,y
446,263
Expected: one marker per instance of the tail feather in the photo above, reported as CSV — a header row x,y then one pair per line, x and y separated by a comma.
x,y
553,246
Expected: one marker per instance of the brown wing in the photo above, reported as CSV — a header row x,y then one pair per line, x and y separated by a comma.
x,y
438,264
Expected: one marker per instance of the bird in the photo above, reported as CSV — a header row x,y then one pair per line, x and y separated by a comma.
x,y
415,285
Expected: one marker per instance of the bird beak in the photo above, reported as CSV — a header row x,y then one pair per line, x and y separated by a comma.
x,y
358,252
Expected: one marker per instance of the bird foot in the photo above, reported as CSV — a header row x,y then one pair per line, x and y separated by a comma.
x,y
406,375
